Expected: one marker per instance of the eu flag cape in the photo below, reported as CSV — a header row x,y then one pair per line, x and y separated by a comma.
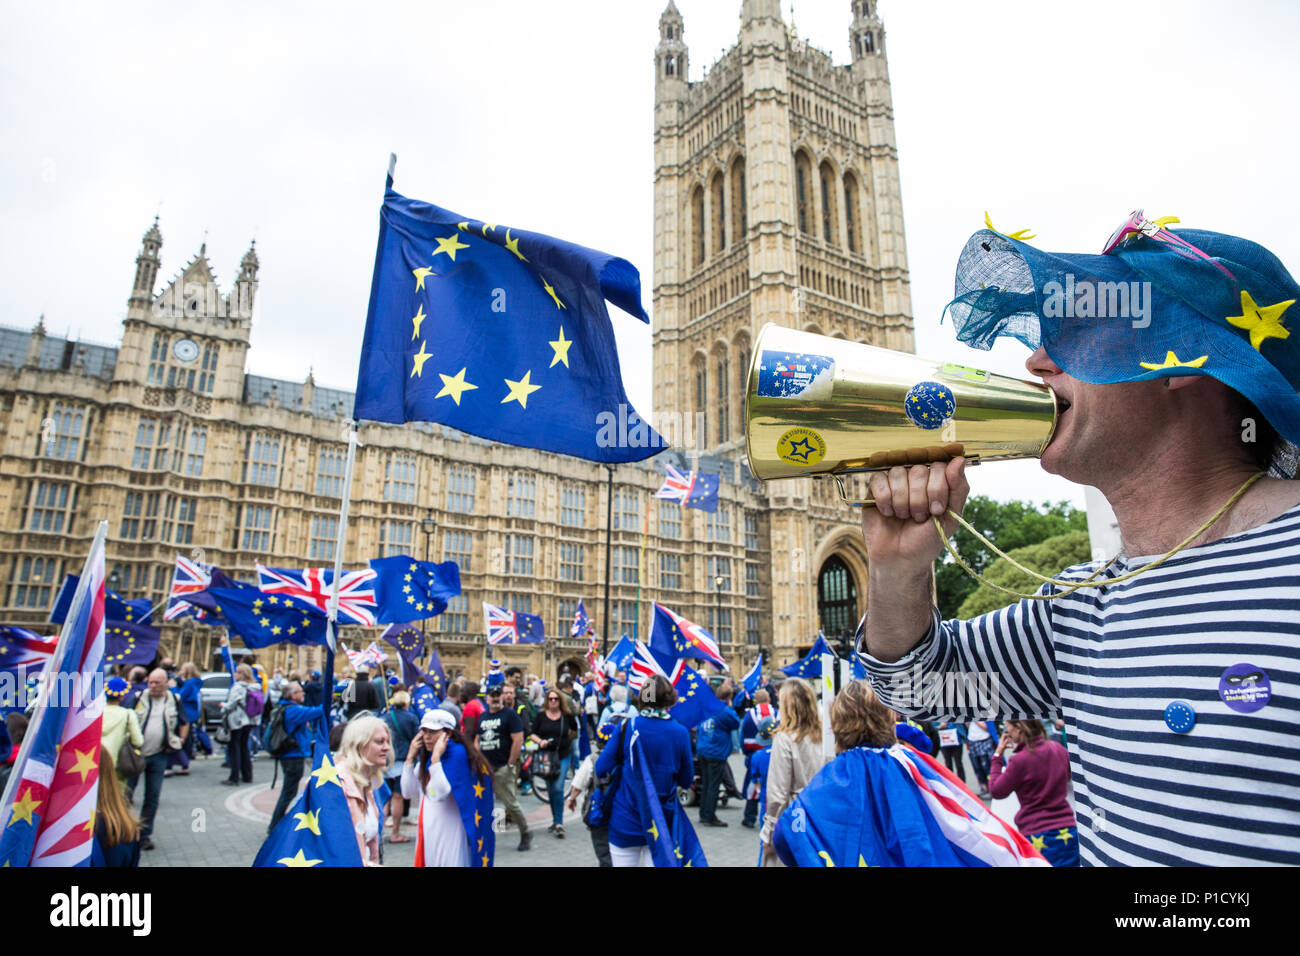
x,y
893,806
671,838
473,794
499,332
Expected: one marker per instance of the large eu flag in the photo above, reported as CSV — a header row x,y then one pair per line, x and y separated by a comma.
x,y
498,332
410,590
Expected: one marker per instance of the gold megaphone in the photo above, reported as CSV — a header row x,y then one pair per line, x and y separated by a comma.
x,y
816,405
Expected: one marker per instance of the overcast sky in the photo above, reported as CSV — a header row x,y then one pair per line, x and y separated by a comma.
x,y
275,121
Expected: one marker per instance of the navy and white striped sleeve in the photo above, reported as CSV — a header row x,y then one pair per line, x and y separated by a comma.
x,y
1000,664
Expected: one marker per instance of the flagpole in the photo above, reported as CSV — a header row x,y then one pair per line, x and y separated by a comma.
x,y
332,613
609,524
39,714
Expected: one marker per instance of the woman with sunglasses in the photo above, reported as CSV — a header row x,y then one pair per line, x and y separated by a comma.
x,y
553,730
439,759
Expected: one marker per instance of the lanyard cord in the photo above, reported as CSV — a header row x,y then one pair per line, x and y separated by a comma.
x,y
1069,587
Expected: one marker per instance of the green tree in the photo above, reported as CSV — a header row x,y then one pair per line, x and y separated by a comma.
x,y
1047,557
1008,524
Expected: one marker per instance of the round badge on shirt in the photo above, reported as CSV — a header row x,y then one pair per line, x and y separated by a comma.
x,y
1245,688
1180,717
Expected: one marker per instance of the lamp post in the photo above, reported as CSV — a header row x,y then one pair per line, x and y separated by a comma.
x,y
427,525
115,580
717,624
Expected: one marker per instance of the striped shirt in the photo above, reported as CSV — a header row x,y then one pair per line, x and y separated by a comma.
x,y
1110,661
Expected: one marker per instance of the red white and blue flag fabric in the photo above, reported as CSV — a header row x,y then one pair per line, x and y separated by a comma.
x,y
671,634
895,806
696,701
314,585
49,803
371,658
511,627
189,577
24,650
691,489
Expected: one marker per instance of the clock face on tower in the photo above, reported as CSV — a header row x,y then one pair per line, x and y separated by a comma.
x,y
186,350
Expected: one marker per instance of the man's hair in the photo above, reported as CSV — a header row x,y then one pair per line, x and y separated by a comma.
x,y
1268,445
401,700
290,687
725,691
859,717
138,674
469,691
618,694
453,694
761,696
512,670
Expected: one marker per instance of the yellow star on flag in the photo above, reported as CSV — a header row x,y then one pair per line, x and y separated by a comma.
x,y
485,859
450,245
265,622
293,630
477,817
487,226
23,807
1064,834
417,320
273,599
410,599
478,789
561,346
406,589
297,859
1039,843
276,630
326,773
86,762
454,385
550,290
420,358
90,824
513,246
257,605
520,390
308,820
653,831
420,275
406,577
1263,322
463,226
1171,361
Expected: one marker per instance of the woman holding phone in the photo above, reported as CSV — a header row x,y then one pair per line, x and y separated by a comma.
x,y
438,757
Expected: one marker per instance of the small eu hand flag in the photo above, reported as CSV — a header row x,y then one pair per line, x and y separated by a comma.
x,y
498,332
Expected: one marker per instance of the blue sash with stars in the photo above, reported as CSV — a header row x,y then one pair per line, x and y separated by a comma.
x,y
473,793
669,834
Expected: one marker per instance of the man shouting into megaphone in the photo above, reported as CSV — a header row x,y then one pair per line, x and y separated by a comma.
x,y
1176,666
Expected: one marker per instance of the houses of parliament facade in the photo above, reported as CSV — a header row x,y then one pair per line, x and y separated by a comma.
x,y
776,199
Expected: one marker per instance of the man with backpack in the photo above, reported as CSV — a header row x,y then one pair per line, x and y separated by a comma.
x,y
288,738
597,794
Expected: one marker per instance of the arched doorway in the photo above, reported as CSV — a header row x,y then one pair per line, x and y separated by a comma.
x,y
575,666
837,598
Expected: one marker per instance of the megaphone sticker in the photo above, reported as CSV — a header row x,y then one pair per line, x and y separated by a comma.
x,y
795,375
801,446
929,404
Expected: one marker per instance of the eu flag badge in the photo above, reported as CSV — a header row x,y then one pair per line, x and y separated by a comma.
x,y
499,332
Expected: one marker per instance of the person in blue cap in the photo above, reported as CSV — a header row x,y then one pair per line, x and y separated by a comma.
x,y
119,723
1176,664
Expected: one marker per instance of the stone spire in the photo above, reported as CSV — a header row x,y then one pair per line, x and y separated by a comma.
x,y
146,268
671,56
867,34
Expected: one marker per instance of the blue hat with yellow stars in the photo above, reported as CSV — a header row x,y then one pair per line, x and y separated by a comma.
x,y
1156,303
116,688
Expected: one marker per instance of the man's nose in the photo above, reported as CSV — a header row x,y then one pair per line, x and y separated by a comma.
x,y
1039,364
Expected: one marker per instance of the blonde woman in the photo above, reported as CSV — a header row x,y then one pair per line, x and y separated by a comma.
x,y
235,713
117,831
364,755
796,756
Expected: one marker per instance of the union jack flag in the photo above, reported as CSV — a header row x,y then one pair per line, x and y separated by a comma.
x,y
372,657
189,577
49,803
673,635
21,649
691,489
511,627
356,590
645,664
